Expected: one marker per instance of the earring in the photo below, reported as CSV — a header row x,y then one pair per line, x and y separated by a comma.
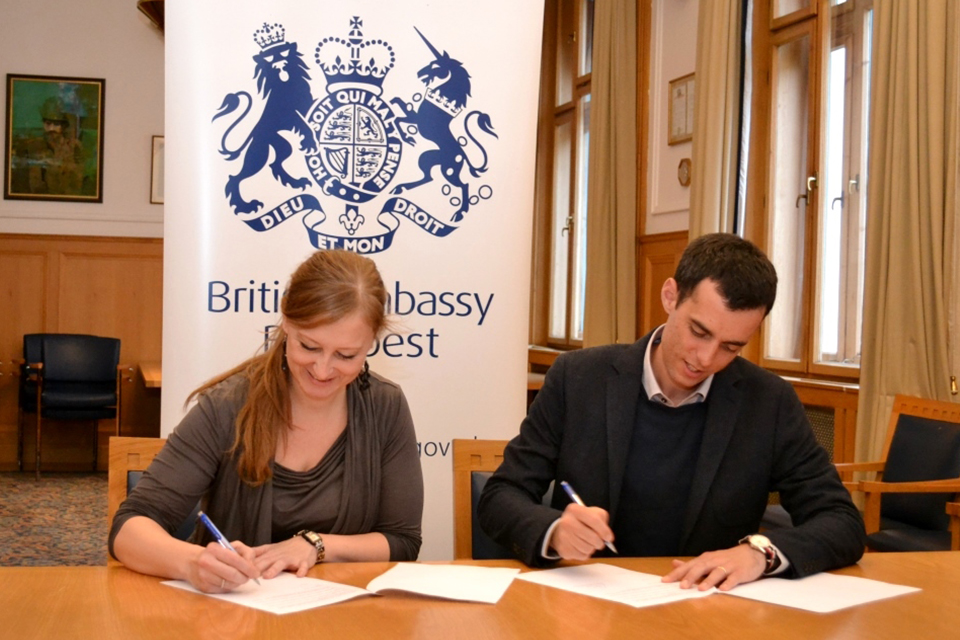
x,y
364,377
283,363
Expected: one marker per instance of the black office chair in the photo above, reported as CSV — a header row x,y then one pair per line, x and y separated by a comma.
x,y
29,376
68,377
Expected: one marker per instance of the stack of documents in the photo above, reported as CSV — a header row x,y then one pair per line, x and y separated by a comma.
x,y
287,593
820,593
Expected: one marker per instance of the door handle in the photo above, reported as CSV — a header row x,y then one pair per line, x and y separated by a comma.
x,y
811,185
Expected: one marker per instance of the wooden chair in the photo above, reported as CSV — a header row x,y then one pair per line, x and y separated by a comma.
x,y
921,459
474,461
129,458
953,510
127,455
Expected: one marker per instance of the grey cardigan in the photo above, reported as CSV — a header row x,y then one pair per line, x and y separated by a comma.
x,y
382,479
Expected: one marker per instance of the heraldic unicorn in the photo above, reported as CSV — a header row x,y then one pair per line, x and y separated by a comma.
x,y
447,89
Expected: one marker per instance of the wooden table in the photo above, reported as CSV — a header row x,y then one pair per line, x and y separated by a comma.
x,y
152,374
112,602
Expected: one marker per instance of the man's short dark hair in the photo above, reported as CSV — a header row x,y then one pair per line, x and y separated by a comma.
x,y
744,274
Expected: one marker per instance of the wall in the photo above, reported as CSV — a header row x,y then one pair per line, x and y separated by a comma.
x,y
673,52
71,284
107,39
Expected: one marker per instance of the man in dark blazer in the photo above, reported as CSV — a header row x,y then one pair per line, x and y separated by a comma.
x,y
674,444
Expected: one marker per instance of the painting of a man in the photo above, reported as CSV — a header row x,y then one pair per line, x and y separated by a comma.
x,y
55,139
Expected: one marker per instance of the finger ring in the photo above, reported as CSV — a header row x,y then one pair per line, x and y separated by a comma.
x,y
725,574
223,582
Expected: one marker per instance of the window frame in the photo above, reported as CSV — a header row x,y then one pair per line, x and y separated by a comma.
x,y
768,32
557,26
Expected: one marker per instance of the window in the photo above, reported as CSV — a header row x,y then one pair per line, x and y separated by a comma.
x,y
560,225
813,181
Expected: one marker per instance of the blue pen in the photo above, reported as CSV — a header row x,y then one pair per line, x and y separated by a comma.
x,y
208,523
573,496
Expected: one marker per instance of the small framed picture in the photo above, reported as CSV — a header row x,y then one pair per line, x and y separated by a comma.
x,y
680,111
156,171
54,145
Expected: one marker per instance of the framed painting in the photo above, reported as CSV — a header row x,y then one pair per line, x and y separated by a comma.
x,y
54,141
156,171
680,110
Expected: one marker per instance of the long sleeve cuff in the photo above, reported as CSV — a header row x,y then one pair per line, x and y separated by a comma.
x,y
545,551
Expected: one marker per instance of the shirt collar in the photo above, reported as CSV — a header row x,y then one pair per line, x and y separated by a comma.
x,y
652,387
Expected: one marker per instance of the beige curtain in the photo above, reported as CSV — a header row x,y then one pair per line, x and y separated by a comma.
x,y
611,290
713,182
910,280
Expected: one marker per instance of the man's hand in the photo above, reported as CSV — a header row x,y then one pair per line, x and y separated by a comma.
x,y
580,532
723,569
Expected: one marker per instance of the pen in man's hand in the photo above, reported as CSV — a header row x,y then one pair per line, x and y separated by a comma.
x,y
208,523
573,496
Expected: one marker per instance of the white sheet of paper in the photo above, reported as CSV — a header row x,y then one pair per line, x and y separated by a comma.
x,y
614,583
821,593
451,581
284,594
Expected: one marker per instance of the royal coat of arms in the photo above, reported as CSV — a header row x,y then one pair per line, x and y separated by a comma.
x,y
352,139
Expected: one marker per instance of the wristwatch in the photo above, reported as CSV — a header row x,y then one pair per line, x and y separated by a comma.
x,y
314,539
763,545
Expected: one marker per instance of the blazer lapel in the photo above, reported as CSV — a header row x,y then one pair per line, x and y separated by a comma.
x,y
623,392
723,403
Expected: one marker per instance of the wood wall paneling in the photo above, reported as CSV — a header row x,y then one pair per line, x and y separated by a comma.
x,y
659,255
22,278
103,286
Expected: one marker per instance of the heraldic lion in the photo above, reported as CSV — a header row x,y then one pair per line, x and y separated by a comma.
x,y
282,80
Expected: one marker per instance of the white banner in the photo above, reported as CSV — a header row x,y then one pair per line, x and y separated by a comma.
x,y
405,131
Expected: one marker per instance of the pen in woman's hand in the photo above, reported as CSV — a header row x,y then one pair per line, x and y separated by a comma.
x,y
573,496
208,523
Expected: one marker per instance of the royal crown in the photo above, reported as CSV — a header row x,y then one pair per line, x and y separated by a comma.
x,y
437,99
352,63
270,35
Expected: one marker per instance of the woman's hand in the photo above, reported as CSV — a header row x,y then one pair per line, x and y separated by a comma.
x,y
295,554
217,570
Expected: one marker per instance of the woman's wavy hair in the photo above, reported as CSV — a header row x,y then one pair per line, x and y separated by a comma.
x,y
325,288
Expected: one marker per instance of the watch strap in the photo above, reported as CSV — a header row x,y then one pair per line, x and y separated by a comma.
x,y
316,540
769,553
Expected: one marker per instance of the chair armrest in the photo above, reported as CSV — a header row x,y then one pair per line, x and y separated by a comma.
x,y
953,509
859,466
31,369
873,491
847,469
927,486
